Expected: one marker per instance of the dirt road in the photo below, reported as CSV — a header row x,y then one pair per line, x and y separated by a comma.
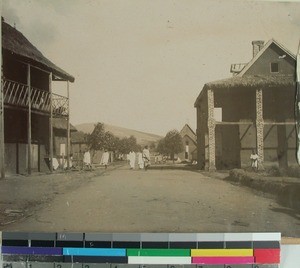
x,y
123,200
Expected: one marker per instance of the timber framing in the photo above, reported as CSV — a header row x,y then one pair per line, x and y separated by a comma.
x,y
251,111
30,96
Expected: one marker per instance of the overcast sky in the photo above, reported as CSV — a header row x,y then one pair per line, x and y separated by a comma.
x,y
141,64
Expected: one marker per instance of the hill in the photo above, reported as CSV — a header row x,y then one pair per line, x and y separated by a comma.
x,y
142,138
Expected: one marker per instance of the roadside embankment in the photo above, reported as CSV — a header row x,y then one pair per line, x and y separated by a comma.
x,y
286,190
21,196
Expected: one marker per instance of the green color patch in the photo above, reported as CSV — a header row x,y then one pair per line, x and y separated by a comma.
x,y
159,252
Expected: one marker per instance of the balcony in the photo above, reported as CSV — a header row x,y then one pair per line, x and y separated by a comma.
x,y
16,95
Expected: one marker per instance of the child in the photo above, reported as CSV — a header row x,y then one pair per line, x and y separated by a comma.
x,y
254,160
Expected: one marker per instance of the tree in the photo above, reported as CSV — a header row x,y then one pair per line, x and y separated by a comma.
x,y
128,144
95,140
171,144
110,141
132,143
152,146
100,139
161,147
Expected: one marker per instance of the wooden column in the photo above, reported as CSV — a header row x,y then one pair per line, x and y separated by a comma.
x,y
29,119
39,157
68,128
50,126
211,132
2,149
259,128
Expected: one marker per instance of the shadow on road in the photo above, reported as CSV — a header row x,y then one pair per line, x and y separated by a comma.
x,y
291,212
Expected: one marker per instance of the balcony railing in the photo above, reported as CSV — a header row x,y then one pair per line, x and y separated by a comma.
x,y
16,94
237,68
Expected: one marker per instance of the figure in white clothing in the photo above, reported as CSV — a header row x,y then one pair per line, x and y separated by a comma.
x,y
140,160
254,160
131,157
87,159
105,158
146,157
55,164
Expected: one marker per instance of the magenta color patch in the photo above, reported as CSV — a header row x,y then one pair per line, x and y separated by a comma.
x,y
223,260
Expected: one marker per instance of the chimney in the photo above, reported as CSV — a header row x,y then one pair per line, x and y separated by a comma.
x,y
257,46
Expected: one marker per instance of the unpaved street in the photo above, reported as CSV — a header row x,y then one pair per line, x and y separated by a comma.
x,y
123,200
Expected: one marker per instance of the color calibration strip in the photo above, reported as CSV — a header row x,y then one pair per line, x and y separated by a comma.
x,y
132,250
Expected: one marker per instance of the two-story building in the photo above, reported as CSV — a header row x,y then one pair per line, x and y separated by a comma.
x,y
28,105
253,110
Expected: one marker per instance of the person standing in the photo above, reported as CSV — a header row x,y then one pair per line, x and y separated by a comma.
x,y
131,157
146,157
105,159
140,159
87,159
254,160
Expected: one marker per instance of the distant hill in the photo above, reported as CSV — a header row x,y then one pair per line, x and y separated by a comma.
x,y
142,138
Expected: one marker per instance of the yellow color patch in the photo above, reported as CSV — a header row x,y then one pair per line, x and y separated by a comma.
x,y
221,252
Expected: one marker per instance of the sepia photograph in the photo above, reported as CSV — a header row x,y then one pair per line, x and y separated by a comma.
x,y
138,116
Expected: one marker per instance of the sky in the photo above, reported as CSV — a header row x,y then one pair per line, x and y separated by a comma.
x,y
141,64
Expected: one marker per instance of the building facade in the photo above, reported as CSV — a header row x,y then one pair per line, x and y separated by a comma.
x,y
251,111
28,105
189,140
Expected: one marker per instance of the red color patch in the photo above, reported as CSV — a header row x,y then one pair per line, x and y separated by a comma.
x,y
267,256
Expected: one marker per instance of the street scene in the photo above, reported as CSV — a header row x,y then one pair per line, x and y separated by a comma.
x,y
153,201
141,116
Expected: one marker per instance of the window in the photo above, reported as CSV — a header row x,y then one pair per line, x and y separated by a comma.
x,y
186,142
274,67
218,114
62,149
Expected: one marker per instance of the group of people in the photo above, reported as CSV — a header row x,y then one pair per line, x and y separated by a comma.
x,y
143,159
87,159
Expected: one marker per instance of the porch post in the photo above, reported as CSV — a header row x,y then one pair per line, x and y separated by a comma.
x,y
2,150
50,125
211,132
68,128
29,119
259,128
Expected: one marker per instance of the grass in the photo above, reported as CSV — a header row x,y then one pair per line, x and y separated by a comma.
x,y
292,171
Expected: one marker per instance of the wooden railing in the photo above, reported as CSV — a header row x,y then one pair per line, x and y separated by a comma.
x,y
16,94
60,105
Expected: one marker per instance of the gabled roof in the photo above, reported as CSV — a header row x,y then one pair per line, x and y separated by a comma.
x,y
187,131
61,123
15,43
78,137
248,81
266,46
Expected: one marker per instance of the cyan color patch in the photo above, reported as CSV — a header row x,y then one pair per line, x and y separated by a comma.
x,y
109,252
